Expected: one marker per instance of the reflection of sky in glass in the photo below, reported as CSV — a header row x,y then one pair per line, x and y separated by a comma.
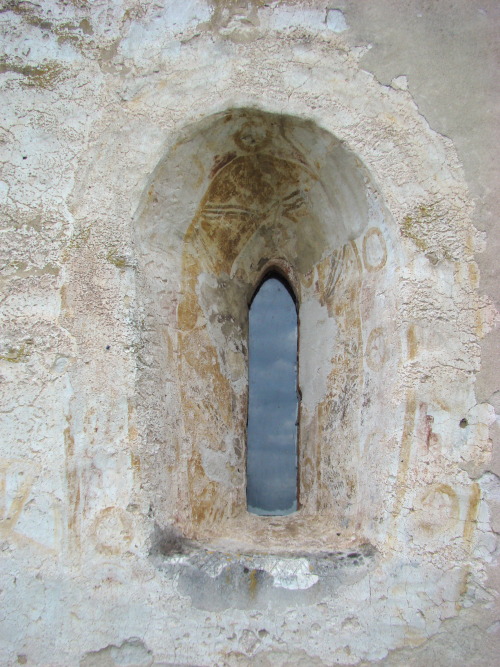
x,y
272,407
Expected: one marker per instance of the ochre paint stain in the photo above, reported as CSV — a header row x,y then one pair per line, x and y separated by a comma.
x,y
252,587
73,489
69,443
11,516
462,587
472,512
473,274
245,192
374,232
208,504
135,462
338,286
221,161
201,358
411,337
335,273
454,508
238,200
404,458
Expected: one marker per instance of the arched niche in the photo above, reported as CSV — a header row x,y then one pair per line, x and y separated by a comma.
x,y
243,193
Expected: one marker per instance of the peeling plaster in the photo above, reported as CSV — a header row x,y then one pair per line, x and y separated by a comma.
x,y
115,154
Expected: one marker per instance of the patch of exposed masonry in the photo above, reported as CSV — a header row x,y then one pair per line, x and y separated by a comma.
x,y
132,651
217,579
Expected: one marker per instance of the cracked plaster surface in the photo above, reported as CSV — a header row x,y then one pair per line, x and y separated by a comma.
x,y
94,97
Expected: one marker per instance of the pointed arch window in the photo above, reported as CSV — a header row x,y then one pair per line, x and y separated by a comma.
x,y
273,404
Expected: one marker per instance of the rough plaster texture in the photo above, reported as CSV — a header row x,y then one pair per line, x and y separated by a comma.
x,y
156,159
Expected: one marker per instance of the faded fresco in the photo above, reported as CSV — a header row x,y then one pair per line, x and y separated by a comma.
x,y
159,160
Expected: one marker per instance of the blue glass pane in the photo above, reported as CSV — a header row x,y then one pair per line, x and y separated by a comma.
x,y
273,403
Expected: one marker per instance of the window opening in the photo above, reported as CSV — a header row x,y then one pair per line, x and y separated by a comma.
x,y
273,400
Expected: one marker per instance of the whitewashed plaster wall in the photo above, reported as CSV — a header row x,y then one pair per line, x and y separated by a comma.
x,y
95,98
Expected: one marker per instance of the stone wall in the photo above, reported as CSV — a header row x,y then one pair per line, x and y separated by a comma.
x,y
157,160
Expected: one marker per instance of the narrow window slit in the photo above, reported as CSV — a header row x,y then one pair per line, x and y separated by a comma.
x,y
273,400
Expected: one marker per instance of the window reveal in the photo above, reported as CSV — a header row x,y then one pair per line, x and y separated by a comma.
x,y
273,400
292,200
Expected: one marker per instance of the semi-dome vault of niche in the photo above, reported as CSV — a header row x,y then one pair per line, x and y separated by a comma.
x,y
241,193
